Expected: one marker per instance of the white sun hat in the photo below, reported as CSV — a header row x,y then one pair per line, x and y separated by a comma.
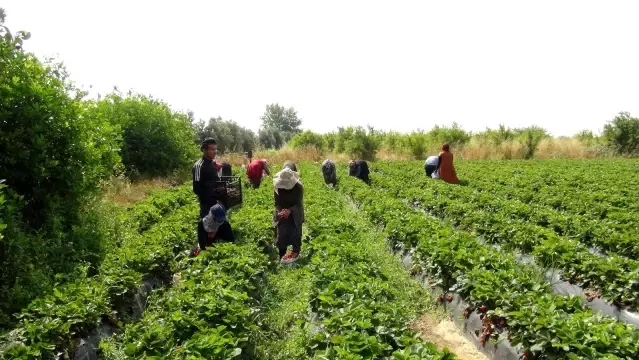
x,y
286,179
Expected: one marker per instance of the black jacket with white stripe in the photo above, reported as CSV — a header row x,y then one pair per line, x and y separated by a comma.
x,y
205,179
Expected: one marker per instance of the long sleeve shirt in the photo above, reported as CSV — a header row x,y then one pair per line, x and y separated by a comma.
x,y
205,180
290,199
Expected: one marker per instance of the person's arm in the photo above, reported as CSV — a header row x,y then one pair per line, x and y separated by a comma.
x,y
196,180
265,168
276,199
298,207
439,162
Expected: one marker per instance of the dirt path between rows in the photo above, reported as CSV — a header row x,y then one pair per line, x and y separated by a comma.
x,y
444,333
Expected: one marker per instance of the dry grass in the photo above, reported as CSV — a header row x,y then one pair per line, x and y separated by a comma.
x,y
124,192
283,155
476,149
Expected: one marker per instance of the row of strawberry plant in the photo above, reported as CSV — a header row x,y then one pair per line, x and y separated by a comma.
x,y
616,278
608,236
583,187
138,217
516,303
145,213
558,186
356,301
52,325
214,309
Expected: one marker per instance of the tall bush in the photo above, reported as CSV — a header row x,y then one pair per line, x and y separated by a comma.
x,y
530,137
622,134
156,141
308,138
52,162
357,142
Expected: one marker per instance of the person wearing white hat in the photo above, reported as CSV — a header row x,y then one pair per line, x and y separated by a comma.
x,y
288,216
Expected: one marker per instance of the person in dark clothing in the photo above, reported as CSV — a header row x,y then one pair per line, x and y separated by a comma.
x,y
288,216
290,165
206,184
329,173
226,169
430,165
359,169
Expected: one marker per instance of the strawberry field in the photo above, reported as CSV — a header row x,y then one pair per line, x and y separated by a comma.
x,y
533,260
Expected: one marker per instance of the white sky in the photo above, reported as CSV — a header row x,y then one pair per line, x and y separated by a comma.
x,y
401,65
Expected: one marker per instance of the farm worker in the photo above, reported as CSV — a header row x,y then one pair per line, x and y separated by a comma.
x,y
224,169
445,168
290,165
359,169
205,182
256,170
328,170
288,216
217,226
431,165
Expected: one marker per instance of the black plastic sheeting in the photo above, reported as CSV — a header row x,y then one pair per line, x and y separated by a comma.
x,y
88,345
471,327
559,286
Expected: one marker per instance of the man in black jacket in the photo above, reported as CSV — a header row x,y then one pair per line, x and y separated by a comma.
x,y
206,185
359,169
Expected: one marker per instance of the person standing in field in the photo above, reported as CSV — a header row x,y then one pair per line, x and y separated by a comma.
x,y
288,216
431,165
359,169
329,173
445,167
256,170
205,184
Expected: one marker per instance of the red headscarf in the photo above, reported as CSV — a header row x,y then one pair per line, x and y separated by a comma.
x,y
446,147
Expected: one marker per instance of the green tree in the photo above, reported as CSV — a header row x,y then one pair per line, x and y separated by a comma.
x,y
282,119
622,134
357,142
417,143
156,141
308,138
530,137
52,163
229,135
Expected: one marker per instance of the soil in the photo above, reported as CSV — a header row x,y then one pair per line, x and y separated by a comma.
x,y
444,333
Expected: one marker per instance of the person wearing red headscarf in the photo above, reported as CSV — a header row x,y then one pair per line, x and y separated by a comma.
x,y
445,167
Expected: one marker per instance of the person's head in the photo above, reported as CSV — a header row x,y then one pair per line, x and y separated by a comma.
x,y
446,147
286,179
290,165
216,217
351,163
209,148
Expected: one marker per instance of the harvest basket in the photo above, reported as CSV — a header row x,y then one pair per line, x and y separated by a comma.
x,y
229,191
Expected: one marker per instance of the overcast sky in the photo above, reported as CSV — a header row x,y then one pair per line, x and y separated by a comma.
x,y
401,65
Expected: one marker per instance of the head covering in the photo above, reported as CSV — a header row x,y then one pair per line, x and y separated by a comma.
x,y
286,179
290,165
215,217
446,147
328,163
